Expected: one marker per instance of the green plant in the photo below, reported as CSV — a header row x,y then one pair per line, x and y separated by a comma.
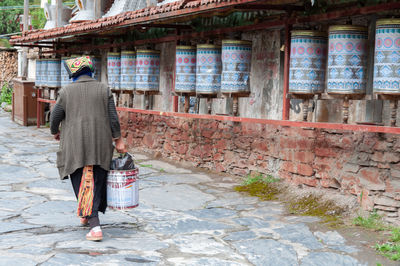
x,y
6,94
389,250
146,165
259,177
373,221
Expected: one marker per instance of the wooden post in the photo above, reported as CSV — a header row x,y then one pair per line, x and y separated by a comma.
x,y
38,109
345,110
286,101
187,103
306,103
393,112
24,70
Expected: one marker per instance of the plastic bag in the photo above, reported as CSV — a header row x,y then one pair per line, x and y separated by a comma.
x,y
123,162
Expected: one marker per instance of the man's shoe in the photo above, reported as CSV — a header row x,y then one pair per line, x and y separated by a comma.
x,y
95,234
84,221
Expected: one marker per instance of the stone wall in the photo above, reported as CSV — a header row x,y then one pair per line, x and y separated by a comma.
x,y
9,65
366,165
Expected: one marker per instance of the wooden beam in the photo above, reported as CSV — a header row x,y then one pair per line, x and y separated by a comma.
x,y
252,7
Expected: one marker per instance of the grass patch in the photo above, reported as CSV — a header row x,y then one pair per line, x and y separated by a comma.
x,y
258,177
261,186
391,248
373,221
162,170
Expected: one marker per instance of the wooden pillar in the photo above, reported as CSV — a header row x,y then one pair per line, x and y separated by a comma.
x,y
286,101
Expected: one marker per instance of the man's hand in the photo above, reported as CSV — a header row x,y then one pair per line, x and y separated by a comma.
x,y
57,136
120,145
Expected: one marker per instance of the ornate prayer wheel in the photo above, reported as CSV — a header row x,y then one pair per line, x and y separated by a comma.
x,y
307,62
185,78
236,62
347,59
208,73
97,67
65,80
114,70
387,57
147,70
128,70
38,71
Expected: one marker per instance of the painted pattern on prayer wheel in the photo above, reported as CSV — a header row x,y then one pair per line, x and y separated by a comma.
x,y
208,69
236,62
114,70
387,57
307,62
347,59
65,80
39,72
44,76
185,77
147,70
54,73
128,70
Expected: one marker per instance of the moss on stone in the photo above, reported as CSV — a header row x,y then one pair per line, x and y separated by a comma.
x,y
308,205
265,191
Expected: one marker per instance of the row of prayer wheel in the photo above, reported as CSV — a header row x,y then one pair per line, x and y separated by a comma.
x,y
130,70
52,73
345,52
209,69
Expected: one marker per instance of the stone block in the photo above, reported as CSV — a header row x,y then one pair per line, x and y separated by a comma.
x,y
366,200
309,181
325,152
385,208
385,201
371,178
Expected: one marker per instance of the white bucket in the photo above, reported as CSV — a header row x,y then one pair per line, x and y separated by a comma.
x,y
123,189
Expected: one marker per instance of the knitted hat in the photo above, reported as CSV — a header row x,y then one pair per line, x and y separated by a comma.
x,y
76,66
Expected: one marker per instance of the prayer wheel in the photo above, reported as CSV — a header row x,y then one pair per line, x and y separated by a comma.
x,y
347,59
185,69
147,70
236,62
39,72
208,73
114,70
44,75
307,62
65,80
387,57
97,67
128,70
54,72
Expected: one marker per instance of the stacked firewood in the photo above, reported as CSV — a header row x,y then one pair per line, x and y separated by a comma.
x,y
9,66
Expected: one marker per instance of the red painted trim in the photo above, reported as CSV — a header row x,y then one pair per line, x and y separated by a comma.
x,y
287,123
175,98
46,100
286,64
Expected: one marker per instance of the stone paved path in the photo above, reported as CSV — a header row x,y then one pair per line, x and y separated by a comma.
x,y
185,217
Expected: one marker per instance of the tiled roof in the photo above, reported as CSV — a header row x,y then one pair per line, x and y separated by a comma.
x,y
145,15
